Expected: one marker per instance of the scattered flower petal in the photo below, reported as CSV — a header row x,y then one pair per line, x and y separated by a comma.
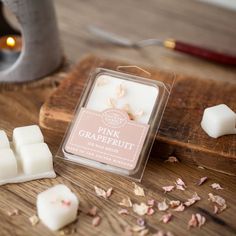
x,y
126,202
34,220
162,206
181,183
138,228
166,218
221,203
144,232
102,193
181,207
168,188
201,167
172,159
202,180
141,209
192,200
151,211
14,212
179,187
174,204
151,202
138,191
123,212
93,211
109,192
192,222
120,91
196,220
111,102
216,186
96,221
201,220
101,82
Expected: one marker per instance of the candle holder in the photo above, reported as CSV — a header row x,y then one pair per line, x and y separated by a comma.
x,y
40,52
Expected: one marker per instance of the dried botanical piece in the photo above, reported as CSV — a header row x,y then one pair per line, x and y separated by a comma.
x,y
162,233
201,167
141,209
138,228
144,232
181,207
162,206
120,91
196,220
138,191
129,111
168,188
93,211
202,180
172,159
141,222
111,102
166,218
216,186
180,184
221,203
101,82
192,200
123,211
179,187
14,212
34,220
151,202
151,211
96,221
174,204
126,202
102,193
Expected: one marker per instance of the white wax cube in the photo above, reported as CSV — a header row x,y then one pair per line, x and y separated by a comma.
x,y
27,135
57,207
4,142
219,120
35,158
8,164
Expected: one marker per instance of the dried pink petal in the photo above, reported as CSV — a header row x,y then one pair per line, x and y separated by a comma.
x,y
162,206
93,211
141,222
123,211
174,204
192,222
166,218
219,201
96,221
179,187
100,192
168,188
201,220
202,180
201,167
138,191
111,102
159,233
109,192
172,159
151,202
126,202
216,186
141,209
34,220
144,232
192,200
216,209
181,183
151,211
138,228
14,212
181,207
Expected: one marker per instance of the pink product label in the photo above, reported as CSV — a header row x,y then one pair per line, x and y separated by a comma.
x,y
108,137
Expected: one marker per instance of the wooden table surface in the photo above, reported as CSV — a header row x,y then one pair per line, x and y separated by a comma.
x,y
19,105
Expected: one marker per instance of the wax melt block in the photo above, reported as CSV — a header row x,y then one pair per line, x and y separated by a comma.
x,y
35,158
219,120
4,142
8,164
27,135
57,207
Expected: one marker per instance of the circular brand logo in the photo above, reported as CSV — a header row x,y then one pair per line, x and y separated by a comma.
x,y
114,117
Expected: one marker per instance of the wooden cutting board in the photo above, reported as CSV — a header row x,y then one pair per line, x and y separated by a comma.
x,y
180,132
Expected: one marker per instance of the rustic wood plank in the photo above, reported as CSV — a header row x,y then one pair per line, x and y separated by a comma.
x,y
180,131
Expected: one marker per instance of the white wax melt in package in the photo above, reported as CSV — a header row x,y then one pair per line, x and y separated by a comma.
x,y
115,123
27,158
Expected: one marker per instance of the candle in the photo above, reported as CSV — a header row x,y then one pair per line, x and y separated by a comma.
x,y
57,207
115,123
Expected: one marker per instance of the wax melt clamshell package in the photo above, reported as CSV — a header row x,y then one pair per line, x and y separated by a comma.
x,y
115,122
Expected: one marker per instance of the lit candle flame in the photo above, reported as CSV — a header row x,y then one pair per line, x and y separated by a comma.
x,y
11,42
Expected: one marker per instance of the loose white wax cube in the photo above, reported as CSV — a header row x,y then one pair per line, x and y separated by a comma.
x,y
4,142
57,207
27,135
35,158
8,164
219,120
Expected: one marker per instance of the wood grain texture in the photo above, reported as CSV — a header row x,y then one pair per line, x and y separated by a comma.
x,y
180,132
19,105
